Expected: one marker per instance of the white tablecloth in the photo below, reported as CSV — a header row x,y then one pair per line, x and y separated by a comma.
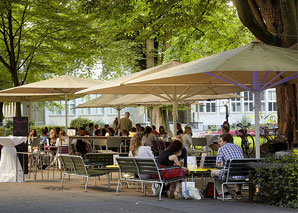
x,y
8,159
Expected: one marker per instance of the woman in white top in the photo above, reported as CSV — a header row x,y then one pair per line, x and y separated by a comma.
x,y
137,149
186,138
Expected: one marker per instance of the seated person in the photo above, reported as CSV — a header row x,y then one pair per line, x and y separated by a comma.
x,y
52,138
162,133
154,130
179,129
110,132
186,137
139,128
45,136
81,145
59,140
149,137
104,130
137,148
169,157
132,132
227,151
98,132
225,130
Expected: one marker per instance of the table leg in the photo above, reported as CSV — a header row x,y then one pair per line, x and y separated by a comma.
x,y
23,167
252,188
16,167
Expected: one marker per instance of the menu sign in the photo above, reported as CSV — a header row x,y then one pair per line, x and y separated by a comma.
x,y
20,126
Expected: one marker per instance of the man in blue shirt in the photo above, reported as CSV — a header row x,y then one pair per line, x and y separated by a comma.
x,y
227,151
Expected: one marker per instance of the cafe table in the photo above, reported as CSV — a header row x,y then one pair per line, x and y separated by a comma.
x,y
10,167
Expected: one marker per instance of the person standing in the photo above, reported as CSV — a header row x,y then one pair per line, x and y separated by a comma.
x,y
115,125
125,123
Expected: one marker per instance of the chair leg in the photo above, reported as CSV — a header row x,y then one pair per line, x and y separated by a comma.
x,y
214,187
160,192
117,190
62,181
86,184
222,192
109,182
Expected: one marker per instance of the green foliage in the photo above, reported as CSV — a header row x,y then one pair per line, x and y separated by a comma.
x,y
278,186
80,122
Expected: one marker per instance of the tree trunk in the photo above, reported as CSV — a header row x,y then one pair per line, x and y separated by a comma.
x,y
275,23
150,53
1,113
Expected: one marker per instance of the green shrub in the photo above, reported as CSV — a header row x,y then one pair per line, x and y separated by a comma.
x,y
80,122
278,186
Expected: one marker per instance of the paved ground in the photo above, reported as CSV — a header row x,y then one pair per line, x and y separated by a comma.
x,y
47,196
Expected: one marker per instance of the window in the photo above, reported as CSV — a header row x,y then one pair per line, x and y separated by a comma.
x,y
263,101
272,101
248,102
112,111
236,104
71,110
201,107
210,106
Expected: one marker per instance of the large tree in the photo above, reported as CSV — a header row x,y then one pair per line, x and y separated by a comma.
x,y
275,22
40,38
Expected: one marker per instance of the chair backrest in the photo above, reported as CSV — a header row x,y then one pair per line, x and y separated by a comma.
x,y
99,158
147,167
199,141
114,142
35,142
236,167
127,165
79,165
98,143
67,162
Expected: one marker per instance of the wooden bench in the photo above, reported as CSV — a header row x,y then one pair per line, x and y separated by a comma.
x,y
141,167
75,165
235,168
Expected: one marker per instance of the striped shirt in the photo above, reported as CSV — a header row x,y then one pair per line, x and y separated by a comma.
x,y
227,152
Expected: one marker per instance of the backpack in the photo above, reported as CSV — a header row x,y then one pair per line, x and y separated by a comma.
x,y
209,191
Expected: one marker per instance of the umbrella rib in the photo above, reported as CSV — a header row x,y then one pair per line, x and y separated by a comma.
x,y
184,91
237,85
161,89
264,78
288,78
154,93
271,81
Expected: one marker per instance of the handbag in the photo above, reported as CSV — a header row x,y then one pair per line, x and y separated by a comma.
x,y
170,173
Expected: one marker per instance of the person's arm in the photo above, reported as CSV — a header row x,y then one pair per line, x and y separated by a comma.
x,y
175,159
219,156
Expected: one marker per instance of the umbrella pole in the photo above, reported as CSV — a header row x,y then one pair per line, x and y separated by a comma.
x,y
187,114
150,114
257,99
66,112
175,106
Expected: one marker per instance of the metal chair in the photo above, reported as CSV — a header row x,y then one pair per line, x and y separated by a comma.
x,y
114,142
99,143
199,142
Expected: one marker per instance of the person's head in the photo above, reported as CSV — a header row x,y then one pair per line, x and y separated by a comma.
x,y
138,126
47,129
91,126
176,147
116,119
142,129
226,123
81,131
162,130
62,133
96,126
153,128
107,126
147,130
44,132
187,130
53,134
225,130
127,114
58,130
133,129
98,132
111,131
136,142
33,133
179,126
225,138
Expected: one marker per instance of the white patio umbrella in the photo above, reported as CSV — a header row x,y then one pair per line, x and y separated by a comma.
x,y
254,67
66,84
